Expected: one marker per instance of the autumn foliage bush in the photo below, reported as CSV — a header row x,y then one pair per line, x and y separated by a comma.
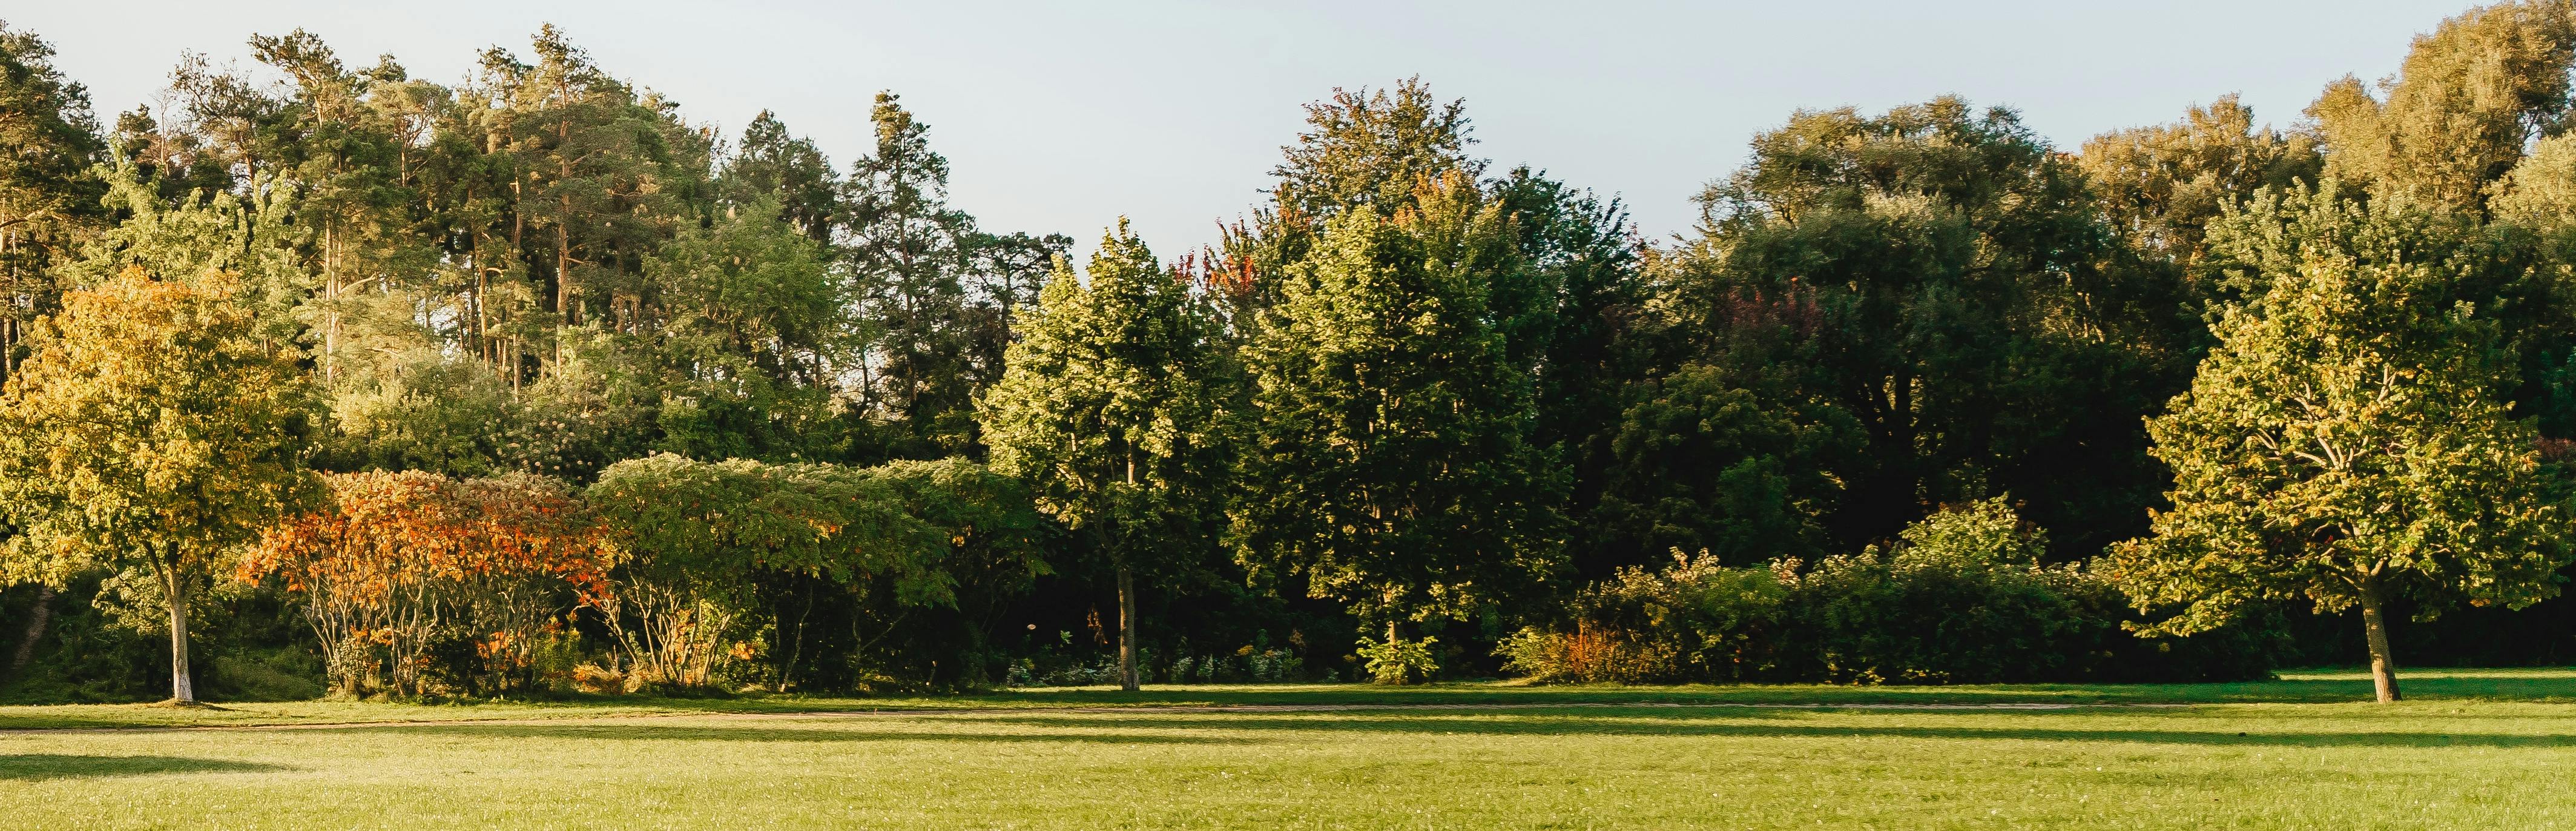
x,y
391,566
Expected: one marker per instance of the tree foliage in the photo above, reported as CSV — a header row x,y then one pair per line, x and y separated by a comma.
x,y
2349,443
2470,97
1411,391
694,537
48,200
1390,465
1113,408
390,563
1945,279
150,427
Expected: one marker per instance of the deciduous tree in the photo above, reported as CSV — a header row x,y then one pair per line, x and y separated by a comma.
x,y
388,559
151,427
1390,463
2349,443
2471,96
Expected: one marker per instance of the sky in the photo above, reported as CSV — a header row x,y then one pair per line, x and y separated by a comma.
x,y
1062,117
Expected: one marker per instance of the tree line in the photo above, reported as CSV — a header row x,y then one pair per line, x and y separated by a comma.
x,y
527,381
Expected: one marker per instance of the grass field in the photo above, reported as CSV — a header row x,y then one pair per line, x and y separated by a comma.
x,y
2474,749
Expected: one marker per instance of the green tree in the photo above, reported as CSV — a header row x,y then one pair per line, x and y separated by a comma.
x,y
702,536
198,235
1111,407
908,252
699,533
1942,275
2504,269
151,427
48,197
2540,192
1369,149
2160,186
936,295
751,327
1702,464
769,164
2470,97
1361,150
347,159
993,529
1564,286
2349,442
1390,464
1579,318
602,172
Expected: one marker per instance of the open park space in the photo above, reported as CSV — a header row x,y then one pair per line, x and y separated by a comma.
x,y
1371,415
2469,749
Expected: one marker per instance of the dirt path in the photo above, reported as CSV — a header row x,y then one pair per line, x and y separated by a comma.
x,y
1093,710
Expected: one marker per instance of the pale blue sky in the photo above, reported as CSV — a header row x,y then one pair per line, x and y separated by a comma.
x,y
1061,117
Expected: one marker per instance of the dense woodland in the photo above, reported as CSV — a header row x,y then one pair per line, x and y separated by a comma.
x,y
358,383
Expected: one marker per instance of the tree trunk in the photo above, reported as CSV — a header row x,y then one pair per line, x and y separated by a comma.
x,y
2383,668
181,690
1127,679
37,617
787,673
330,311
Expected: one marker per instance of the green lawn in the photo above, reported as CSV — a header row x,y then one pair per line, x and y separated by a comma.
x,y
2476,749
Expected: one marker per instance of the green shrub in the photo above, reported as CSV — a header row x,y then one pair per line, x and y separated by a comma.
x,y
1696,620
1961,598
1399,661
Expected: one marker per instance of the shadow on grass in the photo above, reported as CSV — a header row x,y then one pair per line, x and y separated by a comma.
x,y
1760,725
2312,686
1262,728
69,766
699,733
2552,686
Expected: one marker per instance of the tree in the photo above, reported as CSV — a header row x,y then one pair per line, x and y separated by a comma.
x,y
1702,464
2160,186
993,530
196,236
600,171
1944,277
1390,463
938,296
2349,442
1563,286
1110,405
150,427
1579,318
697,534
908,253
1369,150
348,160
788,171
752,326
2471,96
48,198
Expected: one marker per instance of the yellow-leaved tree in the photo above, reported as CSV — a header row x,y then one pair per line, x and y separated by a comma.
x,y
151,426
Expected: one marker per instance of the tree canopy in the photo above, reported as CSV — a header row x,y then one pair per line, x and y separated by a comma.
x,y
2349,442
151,428
601,397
